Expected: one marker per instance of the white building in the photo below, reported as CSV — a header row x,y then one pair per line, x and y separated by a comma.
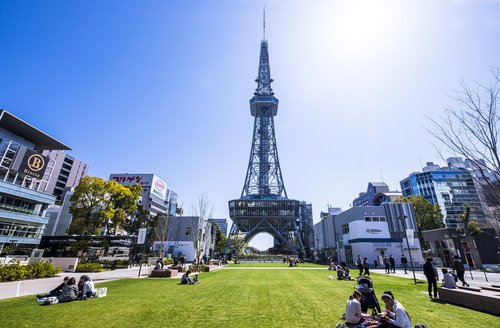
x,y
371,232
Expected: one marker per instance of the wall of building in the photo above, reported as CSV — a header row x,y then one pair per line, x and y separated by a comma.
x,y
371,232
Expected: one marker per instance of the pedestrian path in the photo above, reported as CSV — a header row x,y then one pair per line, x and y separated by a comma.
x,y
40,286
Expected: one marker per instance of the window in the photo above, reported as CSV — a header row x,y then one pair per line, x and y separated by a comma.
x,y
188,231
376,219
345,229
368,219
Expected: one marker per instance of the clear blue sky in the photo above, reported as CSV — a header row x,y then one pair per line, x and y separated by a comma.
x,y
163,86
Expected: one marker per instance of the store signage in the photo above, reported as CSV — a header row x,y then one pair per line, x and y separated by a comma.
x,y
373,231
141,236
33,164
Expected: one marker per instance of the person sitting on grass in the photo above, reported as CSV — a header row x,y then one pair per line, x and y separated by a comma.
x,y
353,313
69,291
347,274
186,280
448,279
56,291
340,273
398,318
88,288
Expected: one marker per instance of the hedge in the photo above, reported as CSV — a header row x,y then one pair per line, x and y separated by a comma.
x,y
31,271
89,267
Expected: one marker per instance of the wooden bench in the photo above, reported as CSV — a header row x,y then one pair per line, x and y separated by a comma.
x,y
164,273
472,298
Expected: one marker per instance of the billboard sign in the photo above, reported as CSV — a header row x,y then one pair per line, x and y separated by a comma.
x,y
30,163
159,188
132,179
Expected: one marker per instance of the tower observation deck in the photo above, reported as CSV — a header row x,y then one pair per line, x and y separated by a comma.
x,y
264,205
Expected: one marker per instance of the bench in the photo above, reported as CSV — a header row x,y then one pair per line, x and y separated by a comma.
x,y
472,298
492,288
474,289
163,273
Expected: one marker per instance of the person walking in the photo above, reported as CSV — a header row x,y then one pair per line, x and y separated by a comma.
x,y
359,264
458,266
366,267
432,276
386,263
404,263
392,264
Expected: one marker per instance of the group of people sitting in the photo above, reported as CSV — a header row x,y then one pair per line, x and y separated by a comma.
x,y
343,273
393,316
69,291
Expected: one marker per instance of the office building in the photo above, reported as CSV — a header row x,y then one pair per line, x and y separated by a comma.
x,y
24,172
154,191
376,194
450,187
66,173
221,223
59,217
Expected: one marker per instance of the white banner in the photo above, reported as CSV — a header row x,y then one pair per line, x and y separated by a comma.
x,y
410,236
141,236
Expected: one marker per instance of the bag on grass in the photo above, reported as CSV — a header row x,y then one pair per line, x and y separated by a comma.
x,y
101,292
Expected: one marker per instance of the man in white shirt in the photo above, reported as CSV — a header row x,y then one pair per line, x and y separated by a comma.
x,y
399,318
448,279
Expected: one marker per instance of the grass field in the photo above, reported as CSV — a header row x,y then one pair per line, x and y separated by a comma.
x,y
293,297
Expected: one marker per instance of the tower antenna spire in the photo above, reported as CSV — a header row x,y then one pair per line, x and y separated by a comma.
x,y
264,24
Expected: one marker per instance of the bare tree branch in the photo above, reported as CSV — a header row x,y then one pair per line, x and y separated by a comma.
x,y
469,128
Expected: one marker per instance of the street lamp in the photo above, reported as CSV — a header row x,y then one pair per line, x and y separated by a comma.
x,y
403,219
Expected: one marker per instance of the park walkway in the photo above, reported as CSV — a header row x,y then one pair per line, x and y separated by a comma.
x,y
478,277
44,285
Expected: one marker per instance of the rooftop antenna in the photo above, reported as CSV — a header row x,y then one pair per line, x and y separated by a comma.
x,y
420,160
381,176
264,24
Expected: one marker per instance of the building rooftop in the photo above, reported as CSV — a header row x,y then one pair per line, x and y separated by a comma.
x,y
41,140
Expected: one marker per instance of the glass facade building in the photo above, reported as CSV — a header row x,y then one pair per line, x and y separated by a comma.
x,y
450,188
24,172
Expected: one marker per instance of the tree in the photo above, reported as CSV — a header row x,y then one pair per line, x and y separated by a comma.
x,y
427,215
140,218
98,203
220,240
471,228
238,244
159,230
470,128
203,209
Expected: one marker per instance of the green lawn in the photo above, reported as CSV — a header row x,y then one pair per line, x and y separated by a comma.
x,y
232,298
277,264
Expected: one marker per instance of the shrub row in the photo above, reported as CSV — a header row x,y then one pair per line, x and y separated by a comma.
x,y
31,271
89,267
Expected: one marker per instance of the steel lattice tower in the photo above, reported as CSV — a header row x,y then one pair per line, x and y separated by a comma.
x,y
263,178
263,205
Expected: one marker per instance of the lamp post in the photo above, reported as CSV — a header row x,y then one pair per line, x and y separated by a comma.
x,y
403,219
